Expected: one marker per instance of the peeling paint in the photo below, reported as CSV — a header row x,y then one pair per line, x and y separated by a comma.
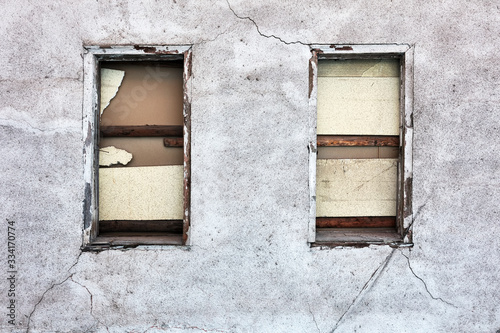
x,y
111,155
87,203
341,48
111,79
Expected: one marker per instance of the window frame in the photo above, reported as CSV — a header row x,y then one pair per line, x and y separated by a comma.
x,y
404,215
93,55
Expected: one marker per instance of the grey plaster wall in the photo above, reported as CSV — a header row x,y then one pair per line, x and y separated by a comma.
x,y
250,268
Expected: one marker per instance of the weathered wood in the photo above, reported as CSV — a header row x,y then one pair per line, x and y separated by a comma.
x,y
163,226
356,222
187,145
356,235
134,239
147,130
173,142
357,140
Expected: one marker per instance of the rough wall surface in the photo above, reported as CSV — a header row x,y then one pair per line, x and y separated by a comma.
x,y
250,268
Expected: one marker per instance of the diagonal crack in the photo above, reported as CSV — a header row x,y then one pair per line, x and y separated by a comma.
x,y
425,284
371,281
314,318
49,289
91,302
258,29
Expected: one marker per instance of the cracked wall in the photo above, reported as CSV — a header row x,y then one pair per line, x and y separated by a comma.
x,y
249,268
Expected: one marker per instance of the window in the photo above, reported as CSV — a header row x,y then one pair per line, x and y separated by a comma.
x,y
361,152
137,146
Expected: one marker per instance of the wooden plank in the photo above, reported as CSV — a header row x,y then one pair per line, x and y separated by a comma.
x,y
356,222
357,140
373,235
147,130
134,239
163,226
173,142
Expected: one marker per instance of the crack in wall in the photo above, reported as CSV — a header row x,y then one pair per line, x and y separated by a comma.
x,y
313,317
258,29
415,216
425,284
26,126
91,302
371,281
49,289
165,327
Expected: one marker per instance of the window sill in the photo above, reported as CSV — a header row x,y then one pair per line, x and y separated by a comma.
x,y
357,237
132,239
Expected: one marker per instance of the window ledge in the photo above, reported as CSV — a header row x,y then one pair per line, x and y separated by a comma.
x,y
127,239
358,237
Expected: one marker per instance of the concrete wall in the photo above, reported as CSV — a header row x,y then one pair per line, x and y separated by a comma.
x,y
250,268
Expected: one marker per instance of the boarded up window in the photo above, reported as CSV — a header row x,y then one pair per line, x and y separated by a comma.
x,y
359,153
146,183
142,150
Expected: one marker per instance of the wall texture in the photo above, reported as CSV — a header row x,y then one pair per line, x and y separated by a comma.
x,y
250,268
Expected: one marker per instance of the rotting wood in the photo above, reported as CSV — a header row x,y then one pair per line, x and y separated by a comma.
x,y
341,48
147,130
135,239
173,142
373,235
155,226
357,140
356,222
187,146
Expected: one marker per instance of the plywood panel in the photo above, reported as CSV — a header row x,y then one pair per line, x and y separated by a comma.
x,y
141,193
356,187
357,152
359,68
358,105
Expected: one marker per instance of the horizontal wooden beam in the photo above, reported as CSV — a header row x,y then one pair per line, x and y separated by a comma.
x,y
146,130
356,222
157,226
173,142
357,140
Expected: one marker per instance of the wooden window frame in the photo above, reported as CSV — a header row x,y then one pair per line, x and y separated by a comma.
x,y
174,136
348,232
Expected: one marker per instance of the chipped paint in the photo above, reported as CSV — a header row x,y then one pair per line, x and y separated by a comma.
x,y
111,156
111,79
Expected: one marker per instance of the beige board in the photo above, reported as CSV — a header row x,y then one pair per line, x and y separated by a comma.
x,y
357,152
356,187
141,193
359,67
358,106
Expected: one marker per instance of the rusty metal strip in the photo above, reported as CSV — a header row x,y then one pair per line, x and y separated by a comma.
x,y
357,140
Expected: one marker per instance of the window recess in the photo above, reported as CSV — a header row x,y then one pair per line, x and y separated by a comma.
x,y
137,147
361,150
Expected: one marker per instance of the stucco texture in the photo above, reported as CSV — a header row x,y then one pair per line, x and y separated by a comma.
x,y
249,268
